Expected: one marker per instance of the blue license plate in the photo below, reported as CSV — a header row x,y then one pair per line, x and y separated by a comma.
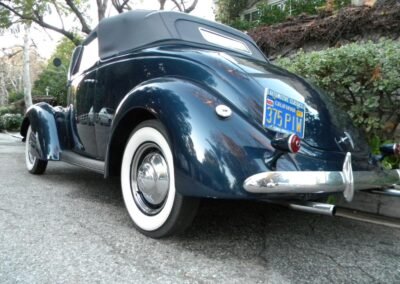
x,y
283,114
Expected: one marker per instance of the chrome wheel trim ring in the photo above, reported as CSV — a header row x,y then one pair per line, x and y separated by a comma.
x,y
29,157
149,178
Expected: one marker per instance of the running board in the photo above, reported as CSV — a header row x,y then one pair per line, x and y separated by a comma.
x,y
81,161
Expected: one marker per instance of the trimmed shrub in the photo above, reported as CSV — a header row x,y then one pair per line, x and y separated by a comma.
x,y
15,96
8,109
10,121
363,79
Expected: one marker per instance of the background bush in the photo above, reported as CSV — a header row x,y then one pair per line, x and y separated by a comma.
x,y
15,96
8,109
229,11
363,79
55,78
10,121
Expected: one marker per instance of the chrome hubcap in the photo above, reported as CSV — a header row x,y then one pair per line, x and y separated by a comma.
x,y
149,178
153,180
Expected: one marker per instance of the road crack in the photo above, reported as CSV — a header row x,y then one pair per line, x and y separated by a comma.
x,y
332,259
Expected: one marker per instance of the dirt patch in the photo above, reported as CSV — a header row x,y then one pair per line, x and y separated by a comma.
x,y
329,29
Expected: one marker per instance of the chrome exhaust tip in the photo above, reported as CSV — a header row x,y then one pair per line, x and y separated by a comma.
x,y
314,207
310,207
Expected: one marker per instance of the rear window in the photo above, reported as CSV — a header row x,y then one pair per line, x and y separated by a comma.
x,y
224,41
206,34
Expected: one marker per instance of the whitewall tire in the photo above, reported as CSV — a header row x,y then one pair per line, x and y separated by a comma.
x,y
148,183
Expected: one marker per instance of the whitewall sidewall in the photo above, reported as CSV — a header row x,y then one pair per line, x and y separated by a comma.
x,y
143,221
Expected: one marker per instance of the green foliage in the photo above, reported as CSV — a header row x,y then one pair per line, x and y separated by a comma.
x,y
5,18
242,25
28,11
363,79
27,8
15,96
8,109
272,14
392,162
55,78
10,121
339,4
229,10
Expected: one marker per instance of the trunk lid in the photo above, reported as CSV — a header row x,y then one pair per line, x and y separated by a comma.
x,y
326,126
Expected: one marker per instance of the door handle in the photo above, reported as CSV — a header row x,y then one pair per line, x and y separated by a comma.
x,y
89,81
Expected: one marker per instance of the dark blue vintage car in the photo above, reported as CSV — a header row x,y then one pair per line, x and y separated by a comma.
x,y
182,108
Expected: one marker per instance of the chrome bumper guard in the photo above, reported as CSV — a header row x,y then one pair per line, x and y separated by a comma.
x,y
346,181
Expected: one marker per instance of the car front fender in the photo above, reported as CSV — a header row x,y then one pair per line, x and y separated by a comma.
x,y
41,118
212,155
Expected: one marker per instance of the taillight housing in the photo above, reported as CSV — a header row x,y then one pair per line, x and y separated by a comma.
x,y
390,149
290,143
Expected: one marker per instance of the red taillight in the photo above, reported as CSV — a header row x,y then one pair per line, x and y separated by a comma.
x,y
294,143
289,143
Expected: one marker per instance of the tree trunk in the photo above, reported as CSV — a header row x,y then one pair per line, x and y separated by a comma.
x,y
3,90
26,69
162,4
101,9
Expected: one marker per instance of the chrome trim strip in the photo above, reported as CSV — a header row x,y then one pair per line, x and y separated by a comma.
x,y
346,181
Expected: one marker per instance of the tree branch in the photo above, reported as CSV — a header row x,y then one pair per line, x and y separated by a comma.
x,y
182,7
177,5
101,8
191,7
59,13
162,4
121,7
85,27
42,23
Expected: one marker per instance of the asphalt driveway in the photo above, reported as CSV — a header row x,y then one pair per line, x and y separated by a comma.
x,y
70,226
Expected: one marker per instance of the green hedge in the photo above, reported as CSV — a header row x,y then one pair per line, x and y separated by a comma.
x,y
10,121
363,79
8,109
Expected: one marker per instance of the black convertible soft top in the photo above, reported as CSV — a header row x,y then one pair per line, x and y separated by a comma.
x,y
135,29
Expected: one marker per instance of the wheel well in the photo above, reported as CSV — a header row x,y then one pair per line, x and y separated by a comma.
x,y
120,137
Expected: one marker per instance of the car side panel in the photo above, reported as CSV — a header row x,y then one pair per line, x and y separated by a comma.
x,y
83,95
213,156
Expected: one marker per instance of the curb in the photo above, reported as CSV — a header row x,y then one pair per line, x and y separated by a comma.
x,y
381,205
368,217
13,134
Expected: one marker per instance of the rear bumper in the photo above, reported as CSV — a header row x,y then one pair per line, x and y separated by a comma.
x,y
345,181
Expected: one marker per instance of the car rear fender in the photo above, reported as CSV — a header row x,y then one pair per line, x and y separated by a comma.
x,y
212,155
41,118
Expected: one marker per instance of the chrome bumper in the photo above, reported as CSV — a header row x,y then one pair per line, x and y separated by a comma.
x,y
345,181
